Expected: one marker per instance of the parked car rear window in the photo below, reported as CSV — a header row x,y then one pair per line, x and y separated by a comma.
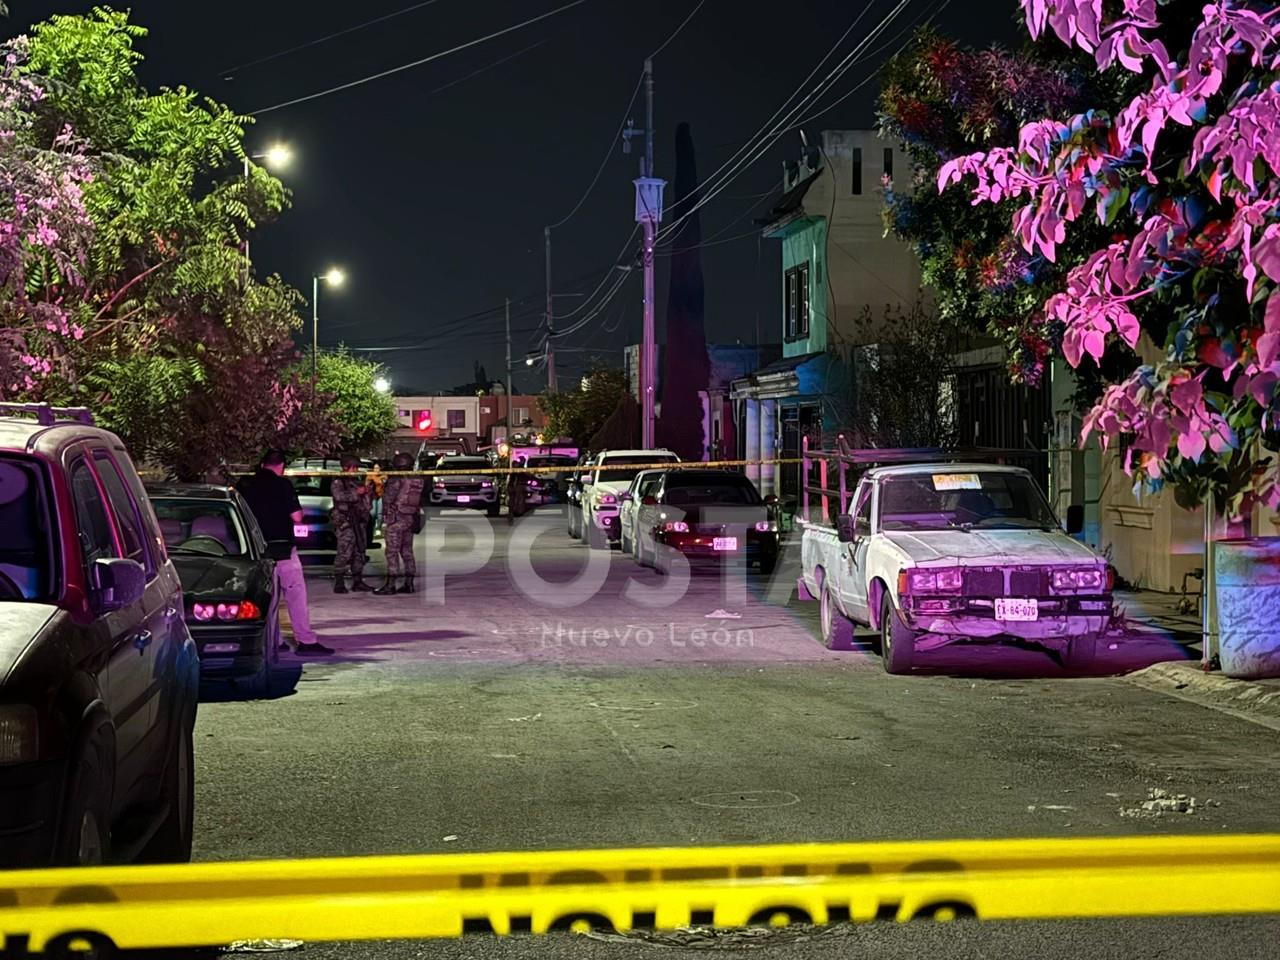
x,y
210,527
615,469
684,492
27,549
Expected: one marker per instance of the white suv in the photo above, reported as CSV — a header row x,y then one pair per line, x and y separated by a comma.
x,y
611,475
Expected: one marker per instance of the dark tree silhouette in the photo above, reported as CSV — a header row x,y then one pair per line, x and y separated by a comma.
x,y
687,369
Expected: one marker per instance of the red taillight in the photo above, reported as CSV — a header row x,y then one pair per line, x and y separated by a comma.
x,y
1111,578
248,611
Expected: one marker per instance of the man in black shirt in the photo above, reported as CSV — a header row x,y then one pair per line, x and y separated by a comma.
x,y
275,506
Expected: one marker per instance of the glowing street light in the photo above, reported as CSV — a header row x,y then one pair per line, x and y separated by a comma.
x,y
276,155
335,278
382,385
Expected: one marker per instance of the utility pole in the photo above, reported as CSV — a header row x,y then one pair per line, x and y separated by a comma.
x,y
649,214
508,414
551,343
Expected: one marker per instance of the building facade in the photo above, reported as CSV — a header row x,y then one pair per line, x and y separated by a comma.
x,y
840,278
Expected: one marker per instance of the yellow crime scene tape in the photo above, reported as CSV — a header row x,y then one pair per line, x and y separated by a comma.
x,y
580,468
451,895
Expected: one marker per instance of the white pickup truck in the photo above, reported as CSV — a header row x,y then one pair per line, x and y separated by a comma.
x,y
935,554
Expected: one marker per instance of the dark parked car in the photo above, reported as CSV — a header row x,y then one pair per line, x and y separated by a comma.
x,y
573,494
706,515
98,673
228,581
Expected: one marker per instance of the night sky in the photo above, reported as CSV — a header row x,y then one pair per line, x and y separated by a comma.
x,y
433,200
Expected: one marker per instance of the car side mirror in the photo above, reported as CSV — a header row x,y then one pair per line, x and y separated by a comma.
x,y
1075,518
625,497
771,501
117,583
650,501
845,528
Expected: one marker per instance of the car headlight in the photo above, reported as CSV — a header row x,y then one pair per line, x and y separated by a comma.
x,y
932,580
19,733
1079,578
607,498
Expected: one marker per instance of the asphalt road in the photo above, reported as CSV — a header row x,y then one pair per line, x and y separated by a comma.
x,y
503,707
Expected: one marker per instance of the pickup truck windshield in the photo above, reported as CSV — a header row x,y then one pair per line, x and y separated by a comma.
x,y
615,469
26,548
944,500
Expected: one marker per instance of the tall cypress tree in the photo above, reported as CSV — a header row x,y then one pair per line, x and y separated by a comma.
x,y
687,368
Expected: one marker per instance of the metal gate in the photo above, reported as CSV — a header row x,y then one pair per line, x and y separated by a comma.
x,y
991,411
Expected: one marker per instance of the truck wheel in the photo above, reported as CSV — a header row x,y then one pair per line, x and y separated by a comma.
x,y
837,629
897,640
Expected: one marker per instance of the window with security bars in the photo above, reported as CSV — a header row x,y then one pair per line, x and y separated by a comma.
x,y
797,287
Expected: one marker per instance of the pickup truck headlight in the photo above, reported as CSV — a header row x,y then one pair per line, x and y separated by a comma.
x,y
607,498
932,580
1080,578
19,733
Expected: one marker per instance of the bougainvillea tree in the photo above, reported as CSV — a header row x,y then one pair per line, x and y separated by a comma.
x,y
1186,177
943,100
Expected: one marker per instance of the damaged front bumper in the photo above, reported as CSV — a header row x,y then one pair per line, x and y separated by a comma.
x,y
943,621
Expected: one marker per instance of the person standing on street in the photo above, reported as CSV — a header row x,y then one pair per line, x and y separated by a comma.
x,y
401,506
352,505
377,481
275,506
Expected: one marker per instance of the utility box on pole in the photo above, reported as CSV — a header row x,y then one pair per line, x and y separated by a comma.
x,y
649,199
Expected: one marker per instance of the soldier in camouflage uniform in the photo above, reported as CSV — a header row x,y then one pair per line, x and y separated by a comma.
x,y
352,505
401,501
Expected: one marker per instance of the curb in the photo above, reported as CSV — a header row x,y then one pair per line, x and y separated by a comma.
x,y
1255,701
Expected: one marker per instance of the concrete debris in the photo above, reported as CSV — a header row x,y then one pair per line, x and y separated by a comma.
x,y
450,838
723,614
536,716
1160,801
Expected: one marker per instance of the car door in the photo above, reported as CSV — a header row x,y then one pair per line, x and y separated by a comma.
x,y
647,513
127,687
854,582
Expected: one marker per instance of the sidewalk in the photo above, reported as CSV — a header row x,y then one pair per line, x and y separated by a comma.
x,y
1149,610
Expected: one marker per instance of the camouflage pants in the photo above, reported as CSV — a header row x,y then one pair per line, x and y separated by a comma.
x,y
352,534
398,533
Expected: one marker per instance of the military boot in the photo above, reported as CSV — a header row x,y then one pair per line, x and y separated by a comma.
x,y
340,584
388,587
408,584
358,585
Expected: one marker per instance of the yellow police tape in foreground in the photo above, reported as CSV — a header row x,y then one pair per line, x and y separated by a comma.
x,y
58,912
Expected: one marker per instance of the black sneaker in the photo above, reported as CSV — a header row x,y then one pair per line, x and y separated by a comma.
x,y
312,650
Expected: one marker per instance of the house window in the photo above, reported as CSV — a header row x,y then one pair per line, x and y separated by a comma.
x,y
855,161
792,307
888,162
457,419
797,319
521,415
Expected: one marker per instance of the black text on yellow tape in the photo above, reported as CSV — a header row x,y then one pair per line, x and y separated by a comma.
x,y
61,913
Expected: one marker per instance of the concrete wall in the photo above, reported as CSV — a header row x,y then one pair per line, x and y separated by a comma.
x,y
407,408
863,268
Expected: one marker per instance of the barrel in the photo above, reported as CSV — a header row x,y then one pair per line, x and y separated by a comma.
x,y
1247,589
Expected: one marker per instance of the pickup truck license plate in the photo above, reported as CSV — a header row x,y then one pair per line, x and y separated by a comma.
x,y
463,498
1017,610
725,543
301,531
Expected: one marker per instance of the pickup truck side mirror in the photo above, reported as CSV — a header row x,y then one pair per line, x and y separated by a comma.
x,y
1075,518
845,528
117,583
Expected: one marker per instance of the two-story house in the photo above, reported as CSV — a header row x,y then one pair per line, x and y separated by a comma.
x,y
839,274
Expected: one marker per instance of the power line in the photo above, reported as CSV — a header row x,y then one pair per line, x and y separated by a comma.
x,y
626,113
692,13
752,153
419,62
227,73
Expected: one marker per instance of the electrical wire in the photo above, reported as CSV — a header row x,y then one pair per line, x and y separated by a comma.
x,y
419,62
762,143
617,260
605,160
692,13
706,243
228,73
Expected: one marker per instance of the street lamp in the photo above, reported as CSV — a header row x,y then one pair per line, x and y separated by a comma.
x,y
276,155
382,385
335,278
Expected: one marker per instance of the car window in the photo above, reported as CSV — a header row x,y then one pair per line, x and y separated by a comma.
x,y
150,527
195,526
92,522
624,469
125,510
27,554
711,492
862,508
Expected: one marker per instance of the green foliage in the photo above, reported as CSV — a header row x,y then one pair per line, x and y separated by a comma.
x,y
582,413
363,416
